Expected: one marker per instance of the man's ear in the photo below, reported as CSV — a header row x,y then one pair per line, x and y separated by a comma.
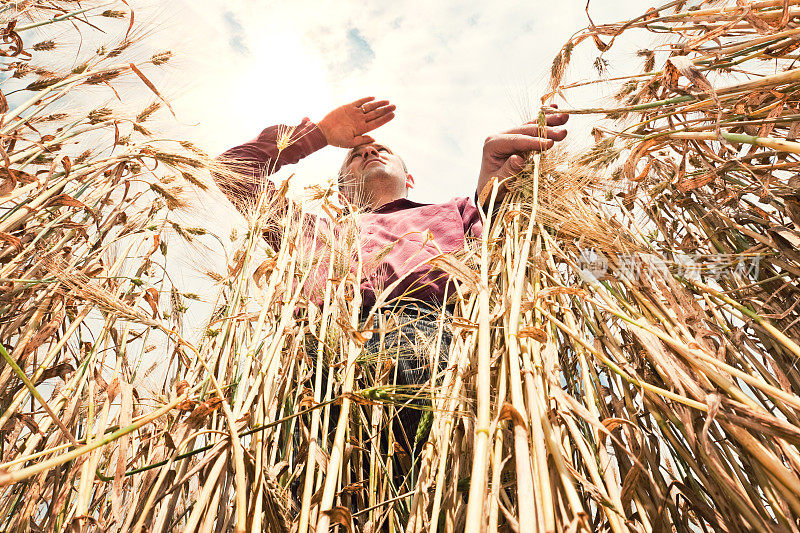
x,y
409,181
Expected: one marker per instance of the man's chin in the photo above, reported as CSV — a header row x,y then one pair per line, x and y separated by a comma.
x,y
374,174
381,180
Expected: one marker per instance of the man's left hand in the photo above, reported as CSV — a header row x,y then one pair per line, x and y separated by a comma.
x,y
504,154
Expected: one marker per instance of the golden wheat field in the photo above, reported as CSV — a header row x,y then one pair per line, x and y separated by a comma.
x,y
625,332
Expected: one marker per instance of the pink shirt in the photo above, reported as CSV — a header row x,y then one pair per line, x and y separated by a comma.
x,y
397,240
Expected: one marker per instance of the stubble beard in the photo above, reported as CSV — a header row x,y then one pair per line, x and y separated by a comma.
x,y
376,181
375,185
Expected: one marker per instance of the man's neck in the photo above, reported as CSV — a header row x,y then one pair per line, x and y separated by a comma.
x,y
376,201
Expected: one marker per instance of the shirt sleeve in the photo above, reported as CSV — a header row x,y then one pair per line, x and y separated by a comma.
x,y
246,166
470,218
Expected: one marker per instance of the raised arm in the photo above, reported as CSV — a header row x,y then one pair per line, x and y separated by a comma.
x,y
249,163
504,154
279,145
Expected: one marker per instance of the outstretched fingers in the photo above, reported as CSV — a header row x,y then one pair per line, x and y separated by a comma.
x,y
378,122
362,101
379,112
373,114
371,106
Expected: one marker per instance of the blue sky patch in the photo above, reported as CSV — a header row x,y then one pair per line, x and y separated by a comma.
x,y
359,53
237,39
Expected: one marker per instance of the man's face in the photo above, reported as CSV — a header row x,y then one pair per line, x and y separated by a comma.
x,y
373,175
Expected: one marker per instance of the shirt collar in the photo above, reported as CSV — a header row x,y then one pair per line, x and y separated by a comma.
x,y
397,205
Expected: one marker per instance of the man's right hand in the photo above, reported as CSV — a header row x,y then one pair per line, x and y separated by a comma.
x,y
345,126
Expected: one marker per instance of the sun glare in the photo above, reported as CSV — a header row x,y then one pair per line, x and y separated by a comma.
x,y
280,80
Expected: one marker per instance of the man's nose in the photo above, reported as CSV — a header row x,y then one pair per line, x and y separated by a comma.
x,y
369,150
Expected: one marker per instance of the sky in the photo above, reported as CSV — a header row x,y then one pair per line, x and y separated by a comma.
x,y
457,71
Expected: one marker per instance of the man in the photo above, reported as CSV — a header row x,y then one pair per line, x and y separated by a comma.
x,y
375,181
394,232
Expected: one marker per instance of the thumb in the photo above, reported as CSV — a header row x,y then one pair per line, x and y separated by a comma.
x,y
362,139
513,165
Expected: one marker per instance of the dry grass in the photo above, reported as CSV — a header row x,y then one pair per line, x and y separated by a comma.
x,y
595,382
